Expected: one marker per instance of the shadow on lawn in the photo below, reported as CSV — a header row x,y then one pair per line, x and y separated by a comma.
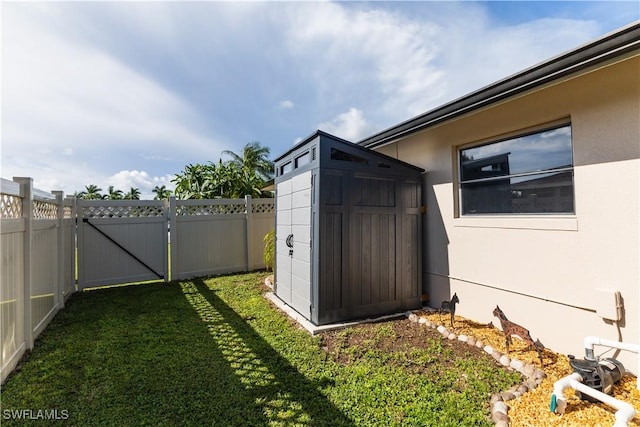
x,y
277,391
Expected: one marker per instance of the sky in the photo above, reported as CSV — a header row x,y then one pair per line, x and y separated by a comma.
x,y
129,93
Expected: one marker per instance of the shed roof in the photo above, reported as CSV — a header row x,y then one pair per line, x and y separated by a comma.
x,y
608,47
320,133
306,140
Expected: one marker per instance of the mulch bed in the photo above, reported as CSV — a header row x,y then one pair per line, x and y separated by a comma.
x,y
532,408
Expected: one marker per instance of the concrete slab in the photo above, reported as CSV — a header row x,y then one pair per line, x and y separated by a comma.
x,y
315,329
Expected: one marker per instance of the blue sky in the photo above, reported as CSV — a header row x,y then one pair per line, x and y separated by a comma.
x,y
128,93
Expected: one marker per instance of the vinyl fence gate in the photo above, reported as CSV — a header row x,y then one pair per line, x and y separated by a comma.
x,y
128,241
122,241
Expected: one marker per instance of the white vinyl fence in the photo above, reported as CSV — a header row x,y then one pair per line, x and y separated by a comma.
x,y
37,250
218,236
116,242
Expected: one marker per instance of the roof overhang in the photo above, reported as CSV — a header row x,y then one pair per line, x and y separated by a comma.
x,y
606,48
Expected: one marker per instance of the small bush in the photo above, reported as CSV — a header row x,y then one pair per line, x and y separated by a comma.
x,y
269,249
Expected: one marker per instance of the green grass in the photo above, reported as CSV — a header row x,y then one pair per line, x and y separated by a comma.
x,y
214,352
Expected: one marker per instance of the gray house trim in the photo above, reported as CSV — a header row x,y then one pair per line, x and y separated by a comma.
x,y
611,46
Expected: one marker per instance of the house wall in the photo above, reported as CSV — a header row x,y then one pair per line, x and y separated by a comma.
x,y
543,270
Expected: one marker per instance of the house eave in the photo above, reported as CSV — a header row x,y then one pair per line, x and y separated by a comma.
x,y
606,48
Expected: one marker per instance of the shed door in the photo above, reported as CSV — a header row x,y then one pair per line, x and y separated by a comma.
x,y
293,243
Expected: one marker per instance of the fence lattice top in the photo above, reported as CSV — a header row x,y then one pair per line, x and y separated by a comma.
x,y
68,212
122,211
44,210
264,207
10,206
206,209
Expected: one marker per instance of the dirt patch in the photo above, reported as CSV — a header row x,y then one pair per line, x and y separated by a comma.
x,y
401,336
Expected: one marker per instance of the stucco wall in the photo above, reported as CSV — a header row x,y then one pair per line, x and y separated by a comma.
x,y
543,270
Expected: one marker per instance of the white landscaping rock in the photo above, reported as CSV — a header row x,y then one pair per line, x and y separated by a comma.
x,y
500,407
505,360
516,364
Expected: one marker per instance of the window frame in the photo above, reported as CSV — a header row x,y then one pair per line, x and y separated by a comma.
x,y
512,218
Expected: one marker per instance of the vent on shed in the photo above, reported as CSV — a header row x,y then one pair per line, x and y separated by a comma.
x,y
347,157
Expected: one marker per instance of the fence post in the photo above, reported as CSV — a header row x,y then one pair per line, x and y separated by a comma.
x,y
173,240
80,245
26,190
249,210
166,240
73,246
59,298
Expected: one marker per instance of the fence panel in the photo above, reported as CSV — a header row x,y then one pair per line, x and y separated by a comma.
x,y
32,265
218,236
263,221
68,248
12,327
44,263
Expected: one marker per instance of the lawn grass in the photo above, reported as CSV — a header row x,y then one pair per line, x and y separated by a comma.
x,y
215,352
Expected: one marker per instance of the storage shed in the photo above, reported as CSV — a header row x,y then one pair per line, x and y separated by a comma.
x,y
348,231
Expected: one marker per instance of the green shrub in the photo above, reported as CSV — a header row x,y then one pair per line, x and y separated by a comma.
x,y
269,249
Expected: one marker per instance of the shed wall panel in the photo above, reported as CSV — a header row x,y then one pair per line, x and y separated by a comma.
x,y
331,262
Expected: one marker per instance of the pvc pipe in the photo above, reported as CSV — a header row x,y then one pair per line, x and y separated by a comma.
x,y
590,341
624,411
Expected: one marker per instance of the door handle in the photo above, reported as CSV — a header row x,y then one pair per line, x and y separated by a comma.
x,y
289,243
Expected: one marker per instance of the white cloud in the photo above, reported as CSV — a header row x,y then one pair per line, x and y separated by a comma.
x,y
286,104
480,53
395,65
90,89
374,55
350,125
127,179
64,98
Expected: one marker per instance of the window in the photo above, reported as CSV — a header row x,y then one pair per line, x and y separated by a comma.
x,y
528,174
302,160
287,167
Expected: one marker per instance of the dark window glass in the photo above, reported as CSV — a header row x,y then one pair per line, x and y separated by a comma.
x,y
347,157
303,159
523,175
287,167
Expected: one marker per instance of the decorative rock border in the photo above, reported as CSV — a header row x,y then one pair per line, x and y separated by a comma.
x,y
499,408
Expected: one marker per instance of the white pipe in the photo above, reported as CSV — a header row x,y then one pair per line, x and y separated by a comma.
x,y
624,411
590,341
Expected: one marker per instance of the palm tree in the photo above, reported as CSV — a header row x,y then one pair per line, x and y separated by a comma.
x,y
90,192
240,176
162,192
113,194
254,160
133,194
194,182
